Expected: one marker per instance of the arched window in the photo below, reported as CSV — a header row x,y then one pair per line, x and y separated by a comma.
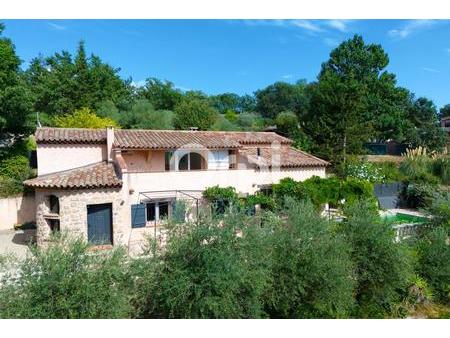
x,y
192,161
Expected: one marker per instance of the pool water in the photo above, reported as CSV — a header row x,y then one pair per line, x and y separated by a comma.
x,y
399,218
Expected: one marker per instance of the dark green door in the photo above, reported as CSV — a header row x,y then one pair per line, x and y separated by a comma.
x,y
99,223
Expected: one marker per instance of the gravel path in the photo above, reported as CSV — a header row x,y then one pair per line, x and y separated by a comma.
x,y
15,242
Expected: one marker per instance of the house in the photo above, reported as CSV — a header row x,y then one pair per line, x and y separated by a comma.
x,y
108,184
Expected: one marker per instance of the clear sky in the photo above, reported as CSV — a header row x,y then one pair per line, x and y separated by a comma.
x,y
242,56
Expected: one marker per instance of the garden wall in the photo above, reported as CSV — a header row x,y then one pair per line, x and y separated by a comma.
x,y
17,210
388,194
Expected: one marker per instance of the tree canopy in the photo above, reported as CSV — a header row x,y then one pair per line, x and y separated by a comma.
x,y
83,118
194,112
15,97
354,100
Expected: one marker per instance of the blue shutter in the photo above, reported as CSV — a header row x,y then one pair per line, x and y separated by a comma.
x,y
138,217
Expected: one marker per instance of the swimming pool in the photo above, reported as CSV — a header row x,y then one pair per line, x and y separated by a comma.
x,y
399,218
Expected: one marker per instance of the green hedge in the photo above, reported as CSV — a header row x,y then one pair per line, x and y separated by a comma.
x,y
14,167
330,190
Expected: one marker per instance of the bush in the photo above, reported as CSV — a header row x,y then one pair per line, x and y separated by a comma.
x,y
418,167
221,198
15,167
390,171
419,195
207,270
434,257
330,190
439,210
66,281
364,171
321,190
383,267
13,171
266,202
83,118
312,272
441,169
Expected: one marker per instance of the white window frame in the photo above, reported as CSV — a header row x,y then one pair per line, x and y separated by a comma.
x,y
156,203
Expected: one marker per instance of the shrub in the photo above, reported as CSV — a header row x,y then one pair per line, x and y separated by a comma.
x,y
207,270
15,167
84,118
10,187
221,198
418,166
419,195
353,190
13,171
390,171
364,171
441,169
439,210
434,257
312,272
266,202
324,190
320,190
286,187
383,267
65,281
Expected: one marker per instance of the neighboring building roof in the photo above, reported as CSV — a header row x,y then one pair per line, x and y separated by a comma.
x,y
158,139
98,175
289,157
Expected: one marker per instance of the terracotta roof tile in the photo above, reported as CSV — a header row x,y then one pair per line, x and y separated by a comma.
x,y
98,175
171,139
158,139
288,157
70,135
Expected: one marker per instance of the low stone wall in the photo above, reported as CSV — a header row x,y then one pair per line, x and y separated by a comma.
x,y
17,210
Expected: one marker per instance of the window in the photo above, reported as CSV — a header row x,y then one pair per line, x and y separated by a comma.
x,y
196,161
192,161
54,225
167,158
184,163
258,151
232,159
157,211
54,204
163,210
151,212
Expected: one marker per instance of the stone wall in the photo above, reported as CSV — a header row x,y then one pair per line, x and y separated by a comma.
x,y
73,212
16,210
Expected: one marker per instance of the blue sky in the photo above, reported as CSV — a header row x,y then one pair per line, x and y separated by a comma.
x,y
242,56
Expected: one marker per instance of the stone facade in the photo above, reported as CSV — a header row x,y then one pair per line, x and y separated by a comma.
x,y
73,212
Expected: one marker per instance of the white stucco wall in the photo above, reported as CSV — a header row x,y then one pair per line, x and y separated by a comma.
x,y
245,181
16,210
73,203
59,157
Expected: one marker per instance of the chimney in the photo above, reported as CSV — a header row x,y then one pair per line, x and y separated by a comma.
x,y
109,143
